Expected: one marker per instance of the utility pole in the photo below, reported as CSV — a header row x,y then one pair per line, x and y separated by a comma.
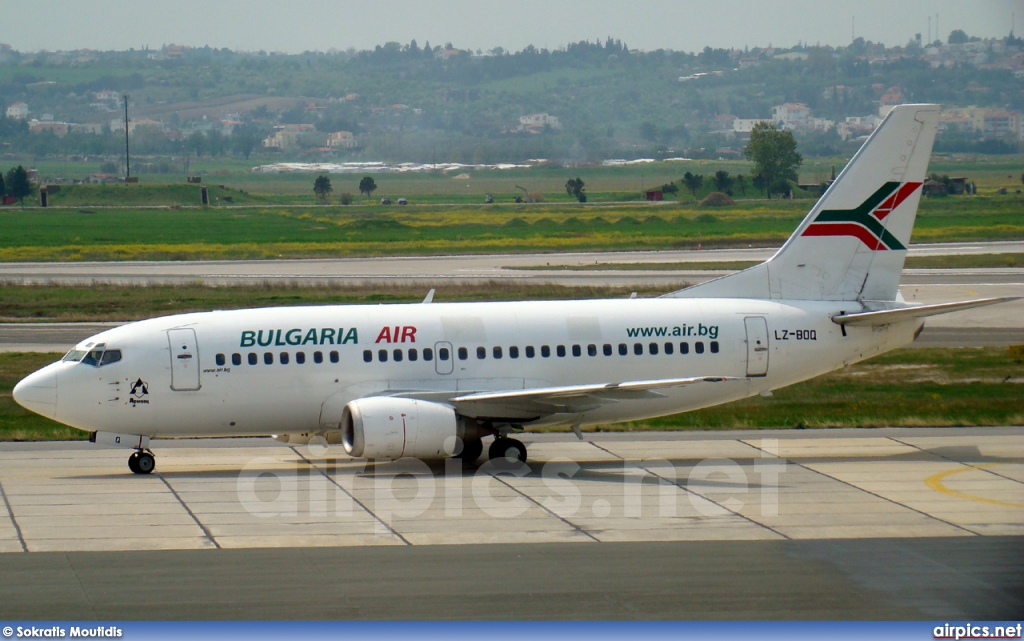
x,y
127,157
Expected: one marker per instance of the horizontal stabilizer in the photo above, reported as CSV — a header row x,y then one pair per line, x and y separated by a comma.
x,y
889,316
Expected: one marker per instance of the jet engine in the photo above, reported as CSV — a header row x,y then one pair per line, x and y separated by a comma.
x,y
383,427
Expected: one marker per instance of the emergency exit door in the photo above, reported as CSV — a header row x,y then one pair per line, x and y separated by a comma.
x,y
184,359
757,345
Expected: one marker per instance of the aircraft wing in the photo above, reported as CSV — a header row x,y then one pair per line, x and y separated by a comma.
x,y
531,404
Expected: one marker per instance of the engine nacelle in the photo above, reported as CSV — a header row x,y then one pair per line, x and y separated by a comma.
x,y
382,427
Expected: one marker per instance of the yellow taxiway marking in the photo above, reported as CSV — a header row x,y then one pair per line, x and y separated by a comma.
x,y
935,482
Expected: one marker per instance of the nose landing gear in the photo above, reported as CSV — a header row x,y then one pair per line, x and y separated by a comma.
x,y
141,462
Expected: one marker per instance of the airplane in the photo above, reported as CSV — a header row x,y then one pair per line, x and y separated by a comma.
x,y
432,380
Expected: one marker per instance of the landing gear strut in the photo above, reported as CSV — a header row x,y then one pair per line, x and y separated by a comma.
x,y
141,462
507,449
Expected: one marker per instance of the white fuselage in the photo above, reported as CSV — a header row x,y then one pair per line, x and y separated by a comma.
x,y
193,374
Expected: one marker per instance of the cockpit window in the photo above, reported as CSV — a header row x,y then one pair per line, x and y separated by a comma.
x,y
97,357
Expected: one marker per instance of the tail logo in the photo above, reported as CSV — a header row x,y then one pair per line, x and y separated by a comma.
x,y
865,221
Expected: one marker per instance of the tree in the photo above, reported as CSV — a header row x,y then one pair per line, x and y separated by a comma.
x,y
774,155
367,186
574,187
2,186
741,184
693,182
723,182
957,37
322,188
18,184
670,188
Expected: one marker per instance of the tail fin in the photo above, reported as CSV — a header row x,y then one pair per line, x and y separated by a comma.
x,y
852,244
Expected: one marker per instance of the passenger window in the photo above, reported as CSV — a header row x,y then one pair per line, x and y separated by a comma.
x,y
638,349
530,353
397,354
623,350
669,348
481,353
607,349
382,355
497,352
367,356
413,354
463,353
428,354
591,350
236,359
545,351
334,357
318,357
268,358
221,362
653,349
560,350
253,359
513,352
684,348
576,350
714,347
284,358
300,357
114,355
698,347
443,354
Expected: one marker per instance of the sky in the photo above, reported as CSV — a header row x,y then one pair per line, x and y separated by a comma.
x,y
293,26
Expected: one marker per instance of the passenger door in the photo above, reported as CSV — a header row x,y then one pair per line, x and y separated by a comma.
x,y
184,359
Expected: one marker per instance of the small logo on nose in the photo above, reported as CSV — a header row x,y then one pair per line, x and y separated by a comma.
x,y
139,392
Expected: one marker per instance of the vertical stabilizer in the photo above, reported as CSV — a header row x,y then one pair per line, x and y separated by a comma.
x,y
852,244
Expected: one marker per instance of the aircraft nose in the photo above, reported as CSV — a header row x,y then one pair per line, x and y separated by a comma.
x,y
38,392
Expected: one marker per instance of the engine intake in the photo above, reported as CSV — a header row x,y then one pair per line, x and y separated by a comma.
x,y
391,428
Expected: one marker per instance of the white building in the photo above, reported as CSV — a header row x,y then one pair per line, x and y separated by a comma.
x,y
18,111
539,121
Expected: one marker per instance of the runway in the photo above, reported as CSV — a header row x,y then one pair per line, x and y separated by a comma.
x,y
890,523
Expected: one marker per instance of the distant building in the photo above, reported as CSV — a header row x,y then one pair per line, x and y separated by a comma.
x,y
341,140
18,111
791,113
538,121
59,129
894,96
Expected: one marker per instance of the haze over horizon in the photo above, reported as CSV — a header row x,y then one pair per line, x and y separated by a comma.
x,y
322,25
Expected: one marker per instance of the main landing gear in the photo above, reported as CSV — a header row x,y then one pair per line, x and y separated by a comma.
x,y
507,449
141,462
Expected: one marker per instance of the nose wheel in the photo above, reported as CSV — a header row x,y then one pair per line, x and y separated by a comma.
x,y
141,462
507,449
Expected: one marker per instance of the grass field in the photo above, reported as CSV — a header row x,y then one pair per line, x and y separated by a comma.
x,y
59,303
910,387
86,233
